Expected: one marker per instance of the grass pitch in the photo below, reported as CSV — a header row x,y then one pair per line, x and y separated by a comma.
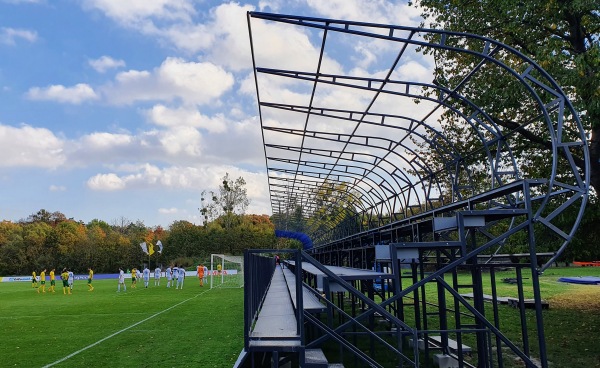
x,y
160,327
154,327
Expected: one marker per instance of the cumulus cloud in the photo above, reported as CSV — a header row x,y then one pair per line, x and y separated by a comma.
x,y
174,145
27,146
221,34
106,182
133,177
241,144
181,141
185,116
175,177
174,80
147,175
9,36
74,95
171,21
104,140
105,63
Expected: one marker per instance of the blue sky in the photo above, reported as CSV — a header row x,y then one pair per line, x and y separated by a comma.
x,y
115,108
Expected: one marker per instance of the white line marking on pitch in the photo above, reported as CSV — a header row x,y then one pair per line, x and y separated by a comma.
x,y
123,330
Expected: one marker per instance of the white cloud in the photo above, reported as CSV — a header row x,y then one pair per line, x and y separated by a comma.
x,y
174,80
277,45
105,63
415,71
141,13
241,144
174,145
143,176
231,47
270,5
57,188
103,140
189,38
174,177
222,33
168,211
185,116
376,11
172,21
186,141
27,146
106,182
9,36
75,95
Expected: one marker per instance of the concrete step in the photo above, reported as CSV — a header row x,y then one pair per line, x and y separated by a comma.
x,y
445,361
315,358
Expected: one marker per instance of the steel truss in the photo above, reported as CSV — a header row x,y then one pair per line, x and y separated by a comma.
x,y
362,158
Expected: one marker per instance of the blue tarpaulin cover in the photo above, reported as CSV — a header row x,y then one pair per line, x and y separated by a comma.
x,y
584,280
301,237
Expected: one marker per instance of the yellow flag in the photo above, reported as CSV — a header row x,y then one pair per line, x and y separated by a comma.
x,y
150,249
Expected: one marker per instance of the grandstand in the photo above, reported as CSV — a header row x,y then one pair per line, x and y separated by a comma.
x,y
399,218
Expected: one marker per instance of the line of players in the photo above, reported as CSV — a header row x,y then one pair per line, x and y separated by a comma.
x,y
175,276
66,276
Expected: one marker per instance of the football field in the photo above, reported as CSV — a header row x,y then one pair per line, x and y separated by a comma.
x,y
153,327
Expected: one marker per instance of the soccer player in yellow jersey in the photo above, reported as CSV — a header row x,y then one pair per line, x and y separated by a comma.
x,y
90,277
33,280
52,281
42,281
133,277
65,279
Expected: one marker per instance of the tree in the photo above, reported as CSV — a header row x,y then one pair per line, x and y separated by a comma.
x,y
184,240
47,217
228,204
8,231
563,37
13,251
335,210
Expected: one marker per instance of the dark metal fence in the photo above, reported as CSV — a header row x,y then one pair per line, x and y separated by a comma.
x,y
258,271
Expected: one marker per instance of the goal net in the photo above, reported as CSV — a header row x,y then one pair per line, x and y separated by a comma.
x,y
226,271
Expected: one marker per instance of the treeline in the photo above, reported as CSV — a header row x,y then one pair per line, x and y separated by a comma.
x,y
50,240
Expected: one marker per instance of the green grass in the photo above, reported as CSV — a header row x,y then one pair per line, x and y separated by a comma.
x,y
159,327
571,324
154,327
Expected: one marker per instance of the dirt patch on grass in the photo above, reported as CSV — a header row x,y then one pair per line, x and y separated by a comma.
x,y
580,297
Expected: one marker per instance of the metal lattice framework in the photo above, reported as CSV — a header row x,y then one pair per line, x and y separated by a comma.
x,y
390,158
352,151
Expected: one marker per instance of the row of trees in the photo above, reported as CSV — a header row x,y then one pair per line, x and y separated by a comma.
x,y
51,240
35,244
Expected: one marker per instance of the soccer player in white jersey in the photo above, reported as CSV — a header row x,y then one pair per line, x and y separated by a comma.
x,y
157,276
175,271
146,274
205,274
121,281
71,279
181,277
169,276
